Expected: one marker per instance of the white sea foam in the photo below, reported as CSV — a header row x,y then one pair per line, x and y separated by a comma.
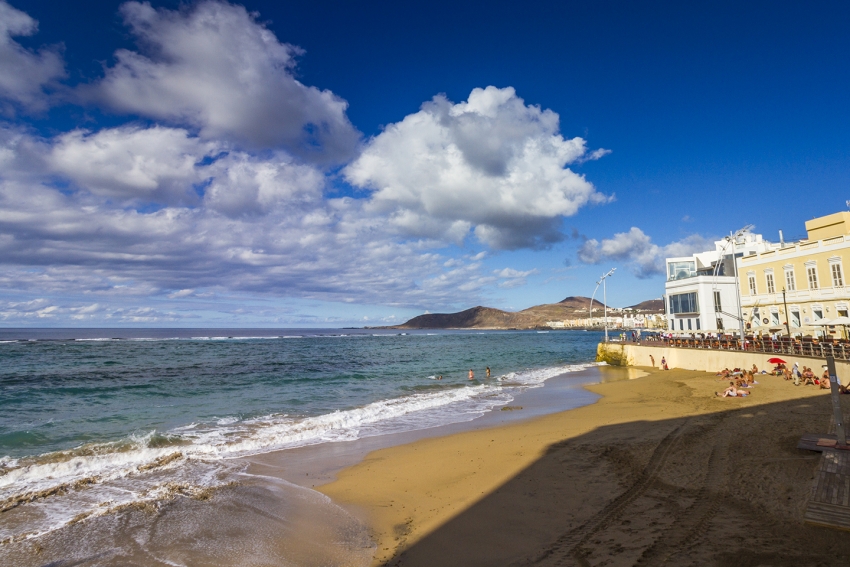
x,y
127,471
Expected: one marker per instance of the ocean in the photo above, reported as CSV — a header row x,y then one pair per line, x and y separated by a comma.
x,y
113,427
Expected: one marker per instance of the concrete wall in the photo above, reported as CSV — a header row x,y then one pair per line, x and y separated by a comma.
x,y
706,360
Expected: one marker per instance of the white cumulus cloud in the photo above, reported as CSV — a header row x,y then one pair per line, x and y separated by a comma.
x,y
148,164
637,249
215,68
491,164
23,72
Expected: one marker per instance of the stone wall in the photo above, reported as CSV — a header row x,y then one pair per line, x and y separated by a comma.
x,y
706,360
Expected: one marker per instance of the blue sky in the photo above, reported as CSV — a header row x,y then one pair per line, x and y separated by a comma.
x,y
329,163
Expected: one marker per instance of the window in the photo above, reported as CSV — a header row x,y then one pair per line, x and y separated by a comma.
x,y
771,288
842,312
717,305
681,270
774,318
720,323
817,313
752,280
689,325
681,324
789,280
795,318
812,275
684,303
837,276
697,324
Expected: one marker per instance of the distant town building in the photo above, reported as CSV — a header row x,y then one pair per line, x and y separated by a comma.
x,y
700,289
810,272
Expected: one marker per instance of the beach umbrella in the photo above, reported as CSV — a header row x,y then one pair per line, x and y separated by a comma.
x,y
775,360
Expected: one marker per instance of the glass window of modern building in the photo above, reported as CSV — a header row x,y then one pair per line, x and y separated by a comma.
x,y
684,303
681,270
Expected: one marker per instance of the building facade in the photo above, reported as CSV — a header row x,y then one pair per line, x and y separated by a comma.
x,y
795,286
700,292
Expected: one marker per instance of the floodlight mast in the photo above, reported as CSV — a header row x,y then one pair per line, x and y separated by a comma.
x,y
604,299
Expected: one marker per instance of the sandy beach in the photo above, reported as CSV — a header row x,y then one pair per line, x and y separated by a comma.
x,y
658,471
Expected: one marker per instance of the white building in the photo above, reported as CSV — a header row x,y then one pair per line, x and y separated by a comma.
x,y
700,292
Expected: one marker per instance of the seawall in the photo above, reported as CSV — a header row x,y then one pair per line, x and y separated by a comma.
x,y
706,360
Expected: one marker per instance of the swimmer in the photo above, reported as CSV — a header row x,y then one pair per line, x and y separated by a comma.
x,y
471,374
488,372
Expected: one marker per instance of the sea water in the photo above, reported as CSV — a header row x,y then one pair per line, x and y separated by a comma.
x,y
102,423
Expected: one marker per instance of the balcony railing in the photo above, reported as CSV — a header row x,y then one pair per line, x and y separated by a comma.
x,y
792,347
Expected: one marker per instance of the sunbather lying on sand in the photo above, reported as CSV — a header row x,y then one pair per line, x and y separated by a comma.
x,y
732,392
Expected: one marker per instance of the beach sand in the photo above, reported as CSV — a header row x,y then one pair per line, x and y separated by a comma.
x,y
658,471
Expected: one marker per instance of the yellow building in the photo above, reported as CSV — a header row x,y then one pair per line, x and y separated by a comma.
x,y
810,272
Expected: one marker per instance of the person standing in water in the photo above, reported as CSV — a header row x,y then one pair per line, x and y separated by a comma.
x,y
471,374
488,372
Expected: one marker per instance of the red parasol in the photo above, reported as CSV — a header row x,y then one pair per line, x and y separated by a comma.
x,y
775,360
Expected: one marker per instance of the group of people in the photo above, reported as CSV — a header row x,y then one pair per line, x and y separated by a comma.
x,y
806,377
471,375
743,380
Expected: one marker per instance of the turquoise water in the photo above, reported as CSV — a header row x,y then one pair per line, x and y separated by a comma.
x,y
107,405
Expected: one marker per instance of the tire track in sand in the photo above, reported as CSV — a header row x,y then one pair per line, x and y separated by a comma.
x,y
569,544
689,525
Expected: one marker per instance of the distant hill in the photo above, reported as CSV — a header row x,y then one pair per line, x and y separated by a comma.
x,y
649,306
490,318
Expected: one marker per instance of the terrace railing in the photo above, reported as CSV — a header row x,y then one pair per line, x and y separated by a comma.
x,y
814,348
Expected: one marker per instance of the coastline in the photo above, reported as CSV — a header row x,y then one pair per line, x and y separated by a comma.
x,y
653,464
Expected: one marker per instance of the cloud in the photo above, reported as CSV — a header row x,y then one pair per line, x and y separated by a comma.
x,y
492,165
71,222
637,249
25,73
512,278
215,68
131,163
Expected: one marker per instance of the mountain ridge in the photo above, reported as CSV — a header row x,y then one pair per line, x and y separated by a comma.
x,y
481,317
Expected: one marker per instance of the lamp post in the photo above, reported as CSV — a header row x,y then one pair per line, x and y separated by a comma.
x,y
787,314
604,299
732,238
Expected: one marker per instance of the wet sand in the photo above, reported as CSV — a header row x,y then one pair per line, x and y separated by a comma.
x,y
658,471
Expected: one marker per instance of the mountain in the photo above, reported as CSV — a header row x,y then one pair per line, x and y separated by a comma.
x,y
490,318
649,306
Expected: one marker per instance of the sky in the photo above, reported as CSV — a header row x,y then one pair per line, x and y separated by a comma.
x,y
283,164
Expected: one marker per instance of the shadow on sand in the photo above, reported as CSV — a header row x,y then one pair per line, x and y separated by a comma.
x,y
727,488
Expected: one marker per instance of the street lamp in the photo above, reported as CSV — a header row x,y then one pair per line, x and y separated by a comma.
x,y
733,238
604,299
787,314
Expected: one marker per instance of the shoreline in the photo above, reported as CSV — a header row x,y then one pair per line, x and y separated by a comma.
x,y
312,466
674,462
